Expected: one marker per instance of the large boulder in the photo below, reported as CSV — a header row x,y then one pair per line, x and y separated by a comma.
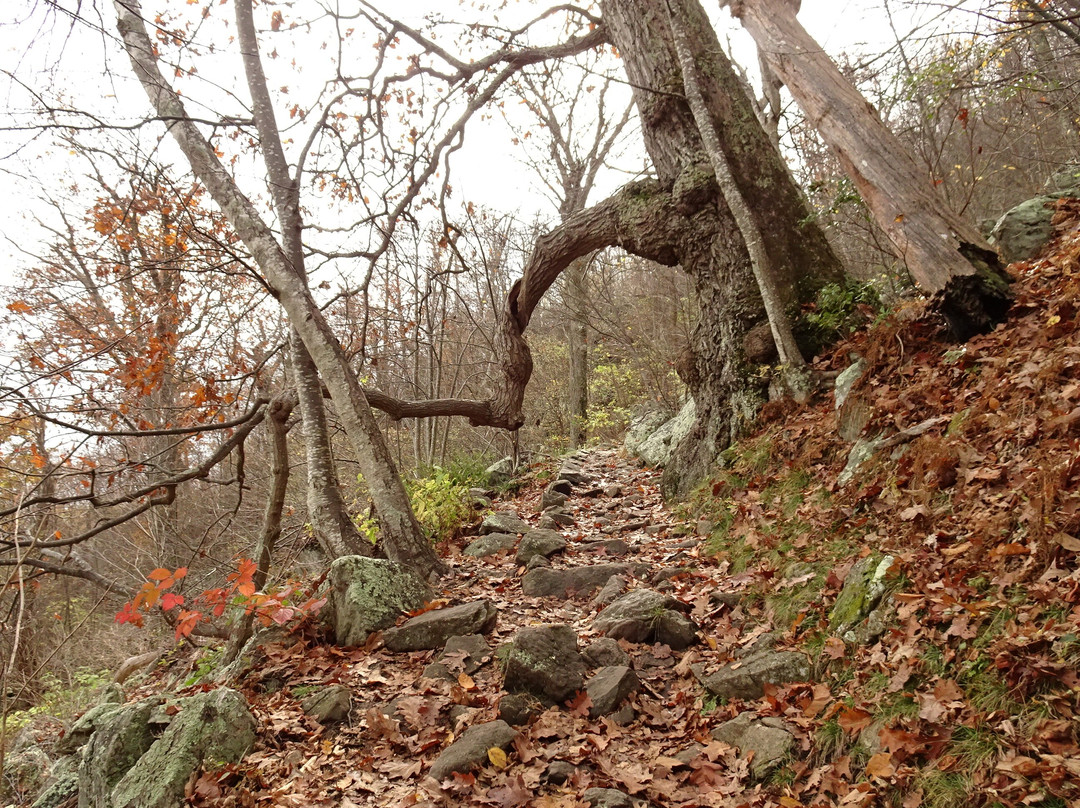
x,y
115,746
544,661
647,616
746,679
642,427
1025,229
657,449
575,582
62,786
369,594
471,749
500,472
211,729
431,630
766,739
544,543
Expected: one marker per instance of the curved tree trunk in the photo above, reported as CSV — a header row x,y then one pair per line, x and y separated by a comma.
x,y
577,343
712,251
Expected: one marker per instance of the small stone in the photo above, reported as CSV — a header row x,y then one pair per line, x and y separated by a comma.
x,y
611,547
605,652
569,583
544,661
537,561
766,739
647,616
490,544
612,490
747,680
328,705
432,629
539,542
504,522
558,772
471,749
624,715
607,798
609,687
615,586
517,709
552,499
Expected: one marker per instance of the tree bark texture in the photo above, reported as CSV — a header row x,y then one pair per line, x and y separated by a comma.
x,y
946,255
327,514
577,343
711,248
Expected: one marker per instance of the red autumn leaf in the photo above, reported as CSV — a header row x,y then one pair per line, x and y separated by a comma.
x,y
170,601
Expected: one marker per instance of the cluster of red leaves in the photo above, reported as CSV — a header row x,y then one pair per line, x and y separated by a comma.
x,y
278,606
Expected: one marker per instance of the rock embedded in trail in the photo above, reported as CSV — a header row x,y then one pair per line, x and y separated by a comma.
x,y
461,654
471,749
612,547
328,705
490,544
608,798
767,739
431,630
539,543
517,709
606,652
504,522
747,678
570,583
544,661
862,591
369,594
609,687
647,616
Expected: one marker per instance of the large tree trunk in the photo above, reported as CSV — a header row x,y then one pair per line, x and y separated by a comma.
x,y
946,255
712,250
577,343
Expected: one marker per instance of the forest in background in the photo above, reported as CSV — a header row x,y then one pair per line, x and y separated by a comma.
x,y
148,363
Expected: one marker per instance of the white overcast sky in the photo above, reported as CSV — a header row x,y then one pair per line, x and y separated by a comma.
x,y
489,172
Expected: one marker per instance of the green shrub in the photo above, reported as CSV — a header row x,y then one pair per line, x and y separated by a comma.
x,y
441,502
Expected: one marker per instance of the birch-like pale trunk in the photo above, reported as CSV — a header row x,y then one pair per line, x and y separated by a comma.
x,y
946,255
403,540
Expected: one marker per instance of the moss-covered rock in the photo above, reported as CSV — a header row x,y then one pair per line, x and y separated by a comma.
x,y
210,730
658,448
369,594
116,746
62,785
861,593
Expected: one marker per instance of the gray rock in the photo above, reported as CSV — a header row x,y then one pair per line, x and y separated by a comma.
x,y
504,522
846,380
558,772
609,687
116,745
552,499
25,772
490,544
62,785
613,490
605,652
555,518
471,749
1064,183
572,472
537,561
747,678
860,595
472,649
608,798
624,715
500,472
539,543
657,449
647,616
1025,229
544,661
211,729
569,583
368,594
614,587
328,705
517,709
431,630
641,429
863,450
80,731
765,738
611,547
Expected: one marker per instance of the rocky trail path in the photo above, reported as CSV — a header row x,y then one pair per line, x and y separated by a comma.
x,y
580,656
